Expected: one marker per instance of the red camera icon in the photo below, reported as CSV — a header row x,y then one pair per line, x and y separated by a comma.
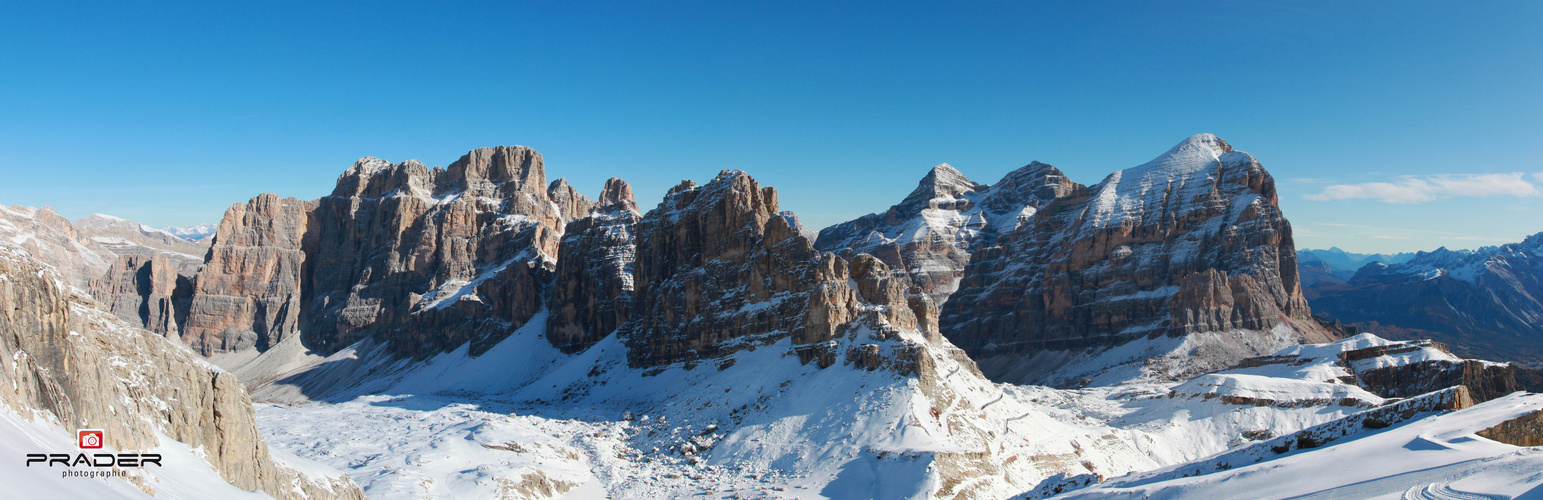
x,y
88,438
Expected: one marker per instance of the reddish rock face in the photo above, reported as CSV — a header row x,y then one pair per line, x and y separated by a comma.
x,y
428,259
249,291
929,236
719,270
1193,241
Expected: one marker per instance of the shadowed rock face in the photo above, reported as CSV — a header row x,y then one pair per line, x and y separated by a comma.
x,y
1193,241
85,368
930,234
591,292
427,259
146,292
719,270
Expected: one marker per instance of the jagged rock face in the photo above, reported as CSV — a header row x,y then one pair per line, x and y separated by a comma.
x,y
433,259
429,259
719,270
931,233
1486,303
570,204
249,293
84,368
1193,241
591,292
146,292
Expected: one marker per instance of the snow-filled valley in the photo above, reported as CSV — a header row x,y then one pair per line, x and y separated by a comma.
x,y
525,421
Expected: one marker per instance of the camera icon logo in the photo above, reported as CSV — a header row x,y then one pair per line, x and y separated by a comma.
x,y
89,438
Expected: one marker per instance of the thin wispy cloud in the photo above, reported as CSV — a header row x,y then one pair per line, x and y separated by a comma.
x,y
1423,188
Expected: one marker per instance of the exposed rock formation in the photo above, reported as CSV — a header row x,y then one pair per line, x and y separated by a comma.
x,y
591,291
931,233
1193,241
249,292
570,204
719,270
1526,430
146,292
1485,303
83,368
427,259
1484,380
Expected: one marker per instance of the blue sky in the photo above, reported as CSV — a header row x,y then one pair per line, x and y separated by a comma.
x,y
1388,126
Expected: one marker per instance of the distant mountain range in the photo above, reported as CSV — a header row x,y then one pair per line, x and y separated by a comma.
x,y
1485,303
1336,266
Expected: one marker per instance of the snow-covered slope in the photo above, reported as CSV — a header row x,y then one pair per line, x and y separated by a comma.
x,y
766,424
1438,456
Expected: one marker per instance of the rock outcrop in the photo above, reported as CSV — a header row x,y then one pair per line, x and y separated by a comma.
x,y
83,368
146,292
1416,373
719,270
249,292
1485,303
1193,241
425,259
929,235
591,292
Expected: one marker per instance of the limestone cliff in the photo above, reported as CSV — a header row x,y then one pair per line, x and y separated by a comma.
x,y
719,270
427,259
591,292
249,292
146,292
1191,242
83,368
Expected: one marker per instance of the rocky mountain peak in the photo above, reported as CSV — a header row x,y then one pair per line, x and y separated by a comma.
x,y
1026,189
617,192
1191,242
502,169
372,177
943,187
423,259
929,235
570,203
719,270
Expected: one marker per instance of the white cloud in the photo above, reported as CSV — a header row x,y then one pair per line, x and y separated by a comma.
x,y
1423,188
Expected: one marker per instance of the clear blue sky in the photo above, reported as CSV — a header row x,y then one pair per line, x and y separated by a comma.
x,y
168,113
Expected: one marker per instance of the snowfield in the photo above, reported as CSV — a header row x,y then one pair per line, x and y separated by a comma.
x,y
526,421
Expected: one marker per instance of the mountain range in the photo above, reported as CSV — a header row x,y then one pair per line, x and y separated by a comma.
x,y
477,331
